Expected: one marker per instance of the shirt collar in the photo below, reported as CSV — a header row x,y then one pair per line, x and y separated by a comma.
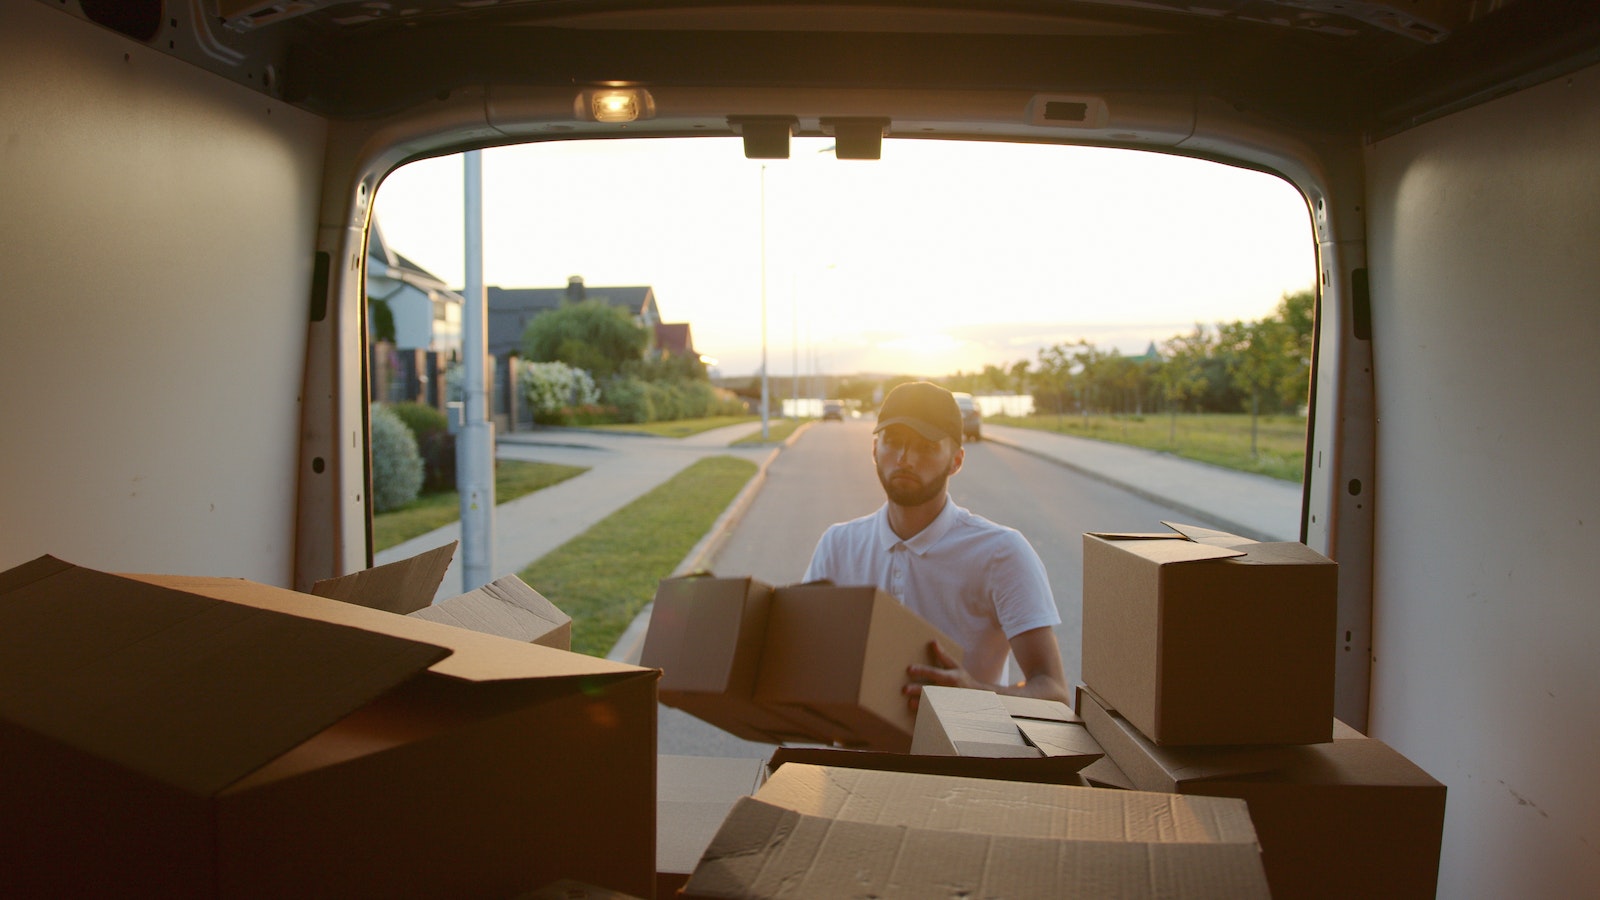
x,y
922,541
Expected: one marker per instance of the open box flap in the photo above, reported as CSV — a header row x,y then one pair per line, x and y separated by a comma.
x,y
1167,548
1038,708
182,688
475,656
399,587
1061,739
1255,552
1210,536
507,607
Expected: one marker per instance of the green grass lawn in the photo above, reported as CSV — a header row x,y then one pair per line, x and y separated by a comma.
x,y
1221,439
512,479
605,576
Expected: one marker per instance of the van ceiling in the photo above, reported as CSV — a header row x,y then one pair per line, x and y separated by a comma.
x,y
1343,66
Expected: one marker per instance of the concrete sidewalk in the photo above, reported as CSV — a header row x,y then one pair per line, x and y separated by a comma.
x,y
622,467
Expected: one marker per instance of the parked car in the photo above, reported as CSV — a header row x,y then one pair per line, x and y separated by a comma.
x,y
971,417
833,410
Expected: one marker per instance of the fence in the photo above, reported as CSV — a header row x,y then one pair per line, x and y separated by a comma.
x,y
418,376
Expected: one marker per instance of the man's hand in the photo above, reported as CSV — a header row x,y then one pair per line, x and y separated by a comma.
x,y
945,671
1037,656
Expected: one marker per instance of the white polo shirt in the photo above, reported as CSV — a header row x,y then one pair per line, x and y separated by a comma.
x,y
979,582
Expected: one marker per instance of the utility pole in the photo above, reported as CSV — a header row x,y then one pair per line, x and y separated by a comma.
x,y
475,439
766,395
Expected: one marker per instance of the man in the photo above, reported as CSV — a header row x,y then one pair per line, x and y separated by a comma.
x,y
978,582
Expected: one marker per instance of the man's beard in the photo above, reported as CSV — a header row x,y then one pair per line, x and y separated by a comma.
x,y
912,495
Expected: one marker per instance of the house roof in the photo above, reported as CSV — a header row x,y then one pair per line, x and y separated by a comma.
x,y
384,262
511,309
674,339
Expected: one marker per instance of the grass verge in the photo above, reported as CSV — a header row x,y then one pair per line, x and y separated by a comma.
x,y
512,479
1222,439
603,577
778,431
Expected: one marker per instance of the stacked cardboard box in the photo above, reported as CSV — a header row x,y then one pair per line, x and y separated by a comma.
x,y
976,734
1203,637
1208,662
808,663
816,831
1346,818
196,737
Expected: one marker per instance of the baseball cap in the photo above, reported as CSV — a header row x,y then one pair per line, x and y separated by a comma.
x,y
924,407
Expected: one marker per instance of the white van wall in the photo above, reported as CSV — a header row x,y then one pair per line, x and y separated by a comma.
x,y
156,244
1484,247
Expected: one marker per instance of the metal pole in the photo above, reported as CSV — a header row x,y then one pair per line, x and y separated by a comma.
x,y
475,440
794,386
766,396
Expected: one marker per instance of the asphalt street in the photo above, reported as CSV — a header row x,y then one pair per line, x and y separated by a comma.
x,y
1051,487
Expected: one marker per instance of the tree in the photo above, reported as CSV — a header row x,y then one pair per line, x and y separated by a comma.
x,y
590,335
995,378
1089,362
1181,375
1256,362
1297,313
1019,376
1053,377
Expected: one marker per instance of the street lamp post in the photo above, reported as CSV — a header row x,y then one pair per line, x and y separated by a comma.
x,y
766,396
475,440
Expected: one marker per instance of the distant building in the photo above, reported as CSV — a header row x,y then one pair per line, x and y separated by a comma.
x,y
425,311
674,339
511,309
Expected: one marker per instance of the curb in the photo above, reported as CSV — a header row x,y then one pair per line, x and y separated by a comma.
x,y
628,645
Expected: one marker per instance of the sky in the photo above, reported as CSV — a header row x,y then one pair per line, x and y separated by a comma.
x,y
940,257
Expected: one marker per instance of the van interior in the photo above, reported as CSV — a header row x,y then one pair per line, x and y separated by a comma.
x,y
187,190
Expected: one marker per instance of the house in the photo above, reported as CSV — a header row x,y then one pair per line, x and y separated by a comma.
x,y
674,339
511,309
425,313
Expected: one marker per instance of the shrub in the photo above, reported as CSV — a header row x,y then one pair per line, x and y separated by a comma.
x,y
588,414
421,418
551,387
396,464
438,451
434,442
638,400
631,397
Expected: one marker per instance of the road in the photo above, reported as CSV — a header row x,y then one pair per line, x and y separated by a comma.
x,y
827,476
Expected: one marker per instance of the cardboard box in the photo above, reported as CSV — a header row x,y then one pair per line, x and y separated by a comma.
x,y
1203,637
505,608
567,889
1103,773
693,796
1347,818
835,660
815,831
959,722
198,737
985,725
402,587
706,636
807,664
